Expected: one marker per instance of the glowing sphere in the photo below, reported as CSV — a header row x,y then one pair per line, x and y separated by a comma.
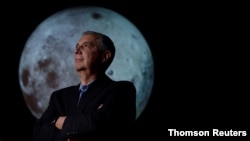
x,y
46,62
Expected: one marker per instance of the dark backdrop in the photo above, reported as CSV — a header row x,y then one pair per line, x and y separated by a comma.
x,y
200,64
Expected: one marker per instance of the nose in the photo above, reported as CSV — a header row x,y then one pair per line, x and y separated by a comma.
x,y
77,51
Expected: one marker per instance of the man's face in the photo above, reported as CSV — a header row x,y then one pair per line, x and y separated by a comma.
x,y
87,54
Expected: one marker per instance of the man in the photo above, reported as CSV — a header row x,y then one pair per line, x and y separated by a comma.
x,y
105,110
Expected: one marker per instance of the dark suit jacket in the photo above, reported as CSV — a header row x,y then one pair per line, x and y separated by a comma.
x,y
107,110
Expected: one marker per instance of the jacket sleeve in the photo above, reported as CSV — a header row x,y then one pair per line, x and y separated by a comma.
x,y
44,128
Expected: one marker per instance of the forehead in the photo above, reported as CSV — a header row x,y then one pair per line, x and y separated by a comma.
x,y
87,38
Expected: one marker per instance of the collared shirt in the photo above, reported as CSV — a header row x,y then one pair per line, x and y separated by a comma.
x,y
83,89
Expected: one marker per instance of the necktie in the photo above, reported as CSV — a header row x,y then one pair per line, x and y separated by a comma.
x,y
82,90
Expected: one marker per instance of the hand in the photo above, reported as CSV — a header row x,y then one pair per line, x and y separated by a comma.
x,y
59,122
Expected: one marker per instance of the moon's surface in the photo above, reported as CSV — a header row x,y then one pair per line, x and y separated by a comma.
x,y
46,62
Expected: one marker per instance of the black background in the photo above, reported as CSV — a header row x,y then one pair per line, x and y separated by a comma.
x,y
200,56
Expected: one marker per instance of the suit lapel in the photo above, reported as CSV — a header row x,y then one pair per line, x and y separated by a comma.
x,y
72,100
95,90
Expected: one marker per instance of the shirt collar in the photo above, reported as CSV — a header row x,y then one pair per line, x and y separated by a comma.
x,y
85,87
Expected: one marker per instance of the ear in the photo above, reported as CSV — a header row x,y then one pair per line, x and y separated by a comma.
x,y
106,56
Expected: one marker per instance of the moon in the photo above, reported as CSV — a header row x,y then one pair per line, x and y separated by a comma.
x,y
46,62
